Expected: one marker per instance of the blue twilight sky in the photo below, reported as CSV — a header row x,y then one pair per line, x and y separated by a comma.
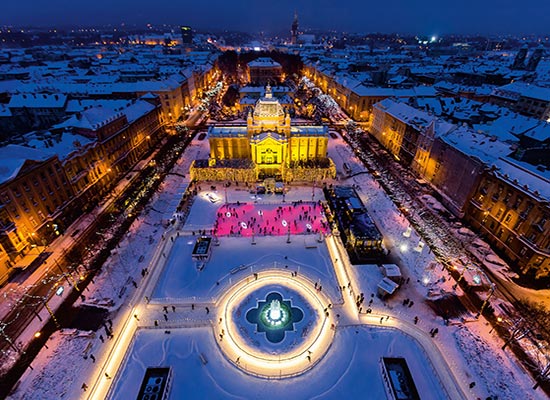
x,y
407,16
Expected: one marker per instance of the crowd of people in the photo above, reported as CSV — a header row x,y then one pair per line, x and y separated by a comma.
x,y
244,219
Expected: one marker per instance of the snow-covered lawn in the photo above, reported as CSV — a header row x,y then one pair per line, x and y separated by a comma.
x,y
350,369
236,257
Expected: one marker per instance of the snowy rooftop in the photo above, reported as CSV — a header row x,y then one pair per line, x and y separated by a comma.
x,y
525,90
95,117
510,126
62,144
264,62
13,158
78,105
476,145
38,101
405,113
525,176
90,119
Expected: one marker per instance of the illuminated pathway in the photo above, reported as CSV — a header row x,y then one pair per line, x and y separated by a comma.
x,y
291,363
455,389
254,361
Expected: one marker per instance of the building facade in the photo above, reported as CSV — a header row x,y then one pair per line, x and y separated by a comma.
x,y
34,197
267,147
42,191
510,208
264,71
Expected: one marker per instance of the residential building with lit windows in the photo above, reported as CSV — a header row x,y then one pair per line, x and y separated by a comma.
x,y
108,143
406,132
34,195
511,209
74,166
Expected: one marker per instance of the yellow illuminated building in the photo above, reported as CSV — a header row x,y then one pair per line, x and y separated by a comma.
x,y
268,146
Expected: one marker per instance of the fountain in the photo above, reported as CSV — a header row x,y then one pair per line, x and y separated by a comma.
x,y
274,312
274,316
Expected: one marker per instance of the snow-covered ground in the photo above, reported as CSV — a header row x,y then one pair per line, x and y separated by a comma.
x,y
237,257
349,369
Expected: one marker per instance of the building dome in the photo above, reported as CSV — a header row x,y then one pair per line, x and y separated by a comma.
x,y
268,107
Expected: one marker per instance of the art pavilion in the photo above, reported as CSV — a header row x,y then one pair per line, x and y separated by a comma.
x,y
268,146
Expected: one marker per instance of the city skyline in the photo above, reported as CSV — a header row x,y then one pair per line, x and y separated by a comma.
x,y
433,18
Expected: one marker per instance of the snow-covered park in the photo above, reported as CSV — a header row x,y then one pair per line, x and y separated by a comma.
x,y
176,313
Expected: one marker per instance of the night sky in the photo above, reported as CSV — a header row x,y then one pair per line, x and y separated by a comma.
x,y
402,16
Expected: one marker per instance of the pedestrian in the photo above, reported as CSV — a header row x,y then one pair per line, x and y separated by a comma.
x,y
381,319
165,309
84,386
387,317
416,320
107,375
92,358
411,303
436,331
156,322
102,338
174,308
207,310
134,283
136,317
165,317
192,306
472,385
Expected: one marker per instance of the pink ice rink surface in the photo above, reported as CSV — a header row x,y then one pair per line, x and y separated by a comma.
x,y
246,219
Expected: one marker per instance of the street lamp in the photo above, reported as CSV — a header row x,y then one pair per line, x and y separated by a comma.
x,y
37,336
499,320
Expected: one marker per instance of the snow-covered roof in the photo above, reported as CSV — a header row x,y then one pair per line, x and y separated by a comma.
x,y
264,62
90,119
523,89
230,131
62,144
13,158
79,105
5,111
418,91
137,110
409,115
475,144
38,101
524,176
